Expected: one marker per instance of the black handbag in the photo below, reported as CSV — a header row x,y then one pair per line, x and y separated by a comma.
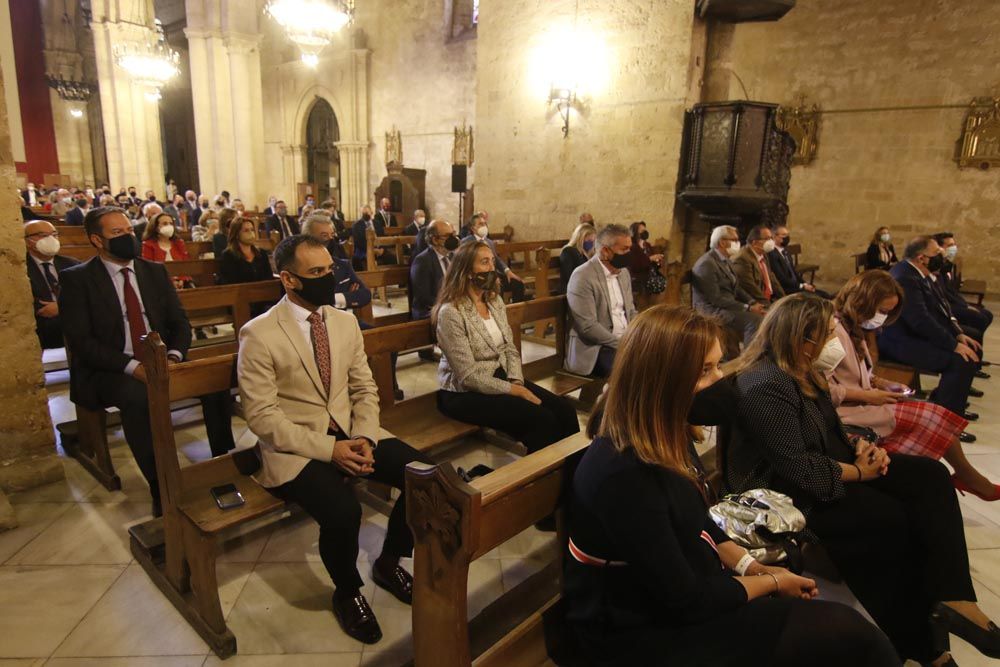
x,y
655,283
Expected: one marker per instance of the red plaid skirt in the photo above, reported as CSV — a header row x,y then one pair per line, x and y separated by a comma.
x,y
923,429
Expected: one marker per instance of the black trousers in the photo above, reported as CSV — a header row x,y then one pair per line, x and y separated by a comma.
x,y
898,541
977,318
50,334
324,491
515,287
605,362
129,396
777,632
952,391
536,426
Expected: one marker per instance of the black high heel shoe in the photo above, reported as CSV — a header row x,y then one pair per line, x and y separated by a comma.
x,y
986,641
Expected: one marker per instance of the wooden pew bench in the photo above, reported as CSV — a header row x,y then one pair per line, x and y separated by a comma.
x,y
794,250
455,523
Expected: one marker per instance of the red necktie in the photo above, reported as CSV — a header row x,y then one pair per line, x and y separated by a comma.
x,y
321,351
133,311
767,278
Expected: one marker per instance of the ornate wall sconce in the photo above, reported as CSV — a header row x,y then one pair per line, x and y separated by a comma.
x,y
802,123
77,93
979,145
563,97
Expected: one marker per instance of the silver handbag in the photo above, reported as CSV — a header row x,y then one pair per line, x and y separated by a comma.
x,y
765,522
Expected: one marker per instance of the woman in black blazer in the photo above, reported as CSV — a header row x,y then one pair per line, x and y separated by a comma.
x,y
243,262
650,579
881,254
891,525
579,249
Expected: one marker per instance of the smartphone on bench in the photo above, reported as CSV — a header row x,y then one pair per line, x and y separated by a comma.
x,y
227,496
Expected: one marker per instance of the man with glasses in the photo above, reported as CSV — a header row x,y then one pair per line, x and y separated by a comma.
x,y
44,265
428,268
715,289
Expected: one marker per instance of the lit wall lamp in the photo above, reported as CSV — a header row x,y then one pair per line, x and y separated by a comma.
x,y
563,97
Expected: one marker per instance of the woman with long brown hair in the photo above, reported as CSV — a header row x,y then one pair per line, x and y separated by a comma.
x,y
242,261
868,302
880,254
891,525
480,370
651,580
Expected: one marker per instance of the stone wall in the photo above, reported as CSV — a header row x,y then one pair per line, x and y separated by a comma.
x,y
621,156
27,446
423,81
893,77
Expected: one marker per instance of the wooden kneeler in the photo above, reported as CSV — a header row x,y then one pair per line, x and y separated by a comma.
x,y
179,552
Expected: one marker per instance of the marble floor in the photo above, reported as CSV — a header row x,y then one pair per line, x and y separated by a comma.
x,y
72,594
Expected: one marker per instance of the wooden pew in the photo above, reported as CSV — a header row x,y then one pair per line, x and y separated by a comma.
x,y
860,259
794,250
455,523
397,244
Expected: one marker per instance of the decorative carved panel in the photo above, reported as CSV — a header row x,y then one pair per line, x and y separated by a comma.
x,y
802,123
463,152
980,142
393,147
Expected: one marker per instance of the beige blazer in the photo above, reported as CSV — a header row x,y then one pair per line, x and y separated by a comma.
x,y
854,372
284,402
748,272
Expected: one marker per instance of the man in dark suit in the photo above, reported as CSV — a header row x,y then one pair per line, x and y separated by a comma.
x,y
416,229
383,216
31,196
44,266
715,289
783,266
280,222
359,232
191,208
74,216
428,268
925,336
107,305
967,314
350,291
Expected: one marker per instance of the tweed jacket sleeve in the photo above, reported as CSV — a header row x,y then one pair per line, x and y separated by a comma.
x,y
465,359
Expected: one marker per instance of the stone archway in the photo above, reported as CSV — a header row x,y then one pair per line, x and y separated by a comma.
x,y
322,154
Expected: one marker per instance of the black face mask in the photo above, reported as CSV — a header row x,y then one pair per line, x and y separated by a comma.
x,y
935,263
318,291
366,217
785,241
124,247
619,261
644,235
152,197
715,404
485,281
131,193
451,243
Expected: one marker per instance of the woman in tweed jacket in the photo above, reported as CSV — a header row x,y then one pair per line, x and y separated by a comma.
x,y
480,372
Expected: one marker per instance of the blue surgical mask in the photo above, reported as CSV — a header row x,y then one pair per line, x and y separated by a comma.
x,y
588,245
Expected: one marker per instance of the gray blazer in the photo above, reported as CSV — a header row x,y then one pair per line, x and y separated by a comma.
x,y
591,325
470,357
714,287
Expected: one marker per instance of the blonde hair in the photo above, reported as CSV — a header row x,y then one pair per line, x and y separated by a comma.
x,y
580,234
652,385
786,327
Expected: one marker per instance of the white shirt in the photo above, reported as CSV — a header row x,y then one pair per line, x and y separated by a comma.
x,y
617,303
301,316
494,331
118,281
441,260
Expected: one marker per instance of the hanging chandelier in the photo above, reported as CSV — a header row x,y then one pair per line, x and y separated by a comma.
x,y
310,24
149,65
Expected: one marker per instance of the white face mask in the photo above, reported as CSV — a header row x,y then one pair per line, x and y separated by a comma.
x,y
885,238
420,222
875,322
166,231
830,356
769,245
950,252
734,248
482,231
48,246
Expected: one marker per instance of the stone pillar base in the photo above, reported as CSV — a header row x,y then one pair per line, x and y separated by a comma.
x,y
7,518
28,473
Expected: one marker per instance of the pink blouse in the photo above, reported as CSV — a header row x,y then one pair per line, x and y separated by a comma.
x,y
855,372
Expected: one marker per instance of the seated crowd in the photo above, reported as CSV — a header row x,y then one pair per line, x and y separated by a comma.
x,y
649,577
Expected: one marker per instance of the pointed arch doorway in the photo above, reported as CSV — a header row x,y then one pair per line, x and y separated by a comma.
x,y
322,156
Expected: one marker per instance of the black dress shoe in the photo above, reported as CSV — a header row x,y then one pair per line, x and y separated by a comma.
x,y
986,640
157,509
975,393
427,355
982,375
357,618
398,582
970,416
397,394
966,437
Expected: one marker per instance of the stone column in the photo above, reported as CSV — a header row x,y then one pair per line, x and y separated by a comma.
x,y
354,188
27,442
131,121
224,43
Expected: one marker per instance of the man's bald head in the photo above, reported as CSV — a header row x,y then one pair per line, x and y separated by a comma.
x,y
33,227
35,231
441,228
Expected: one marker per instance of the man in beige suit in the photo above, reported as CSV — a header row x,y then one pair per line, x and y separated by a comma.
x,y
309,396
